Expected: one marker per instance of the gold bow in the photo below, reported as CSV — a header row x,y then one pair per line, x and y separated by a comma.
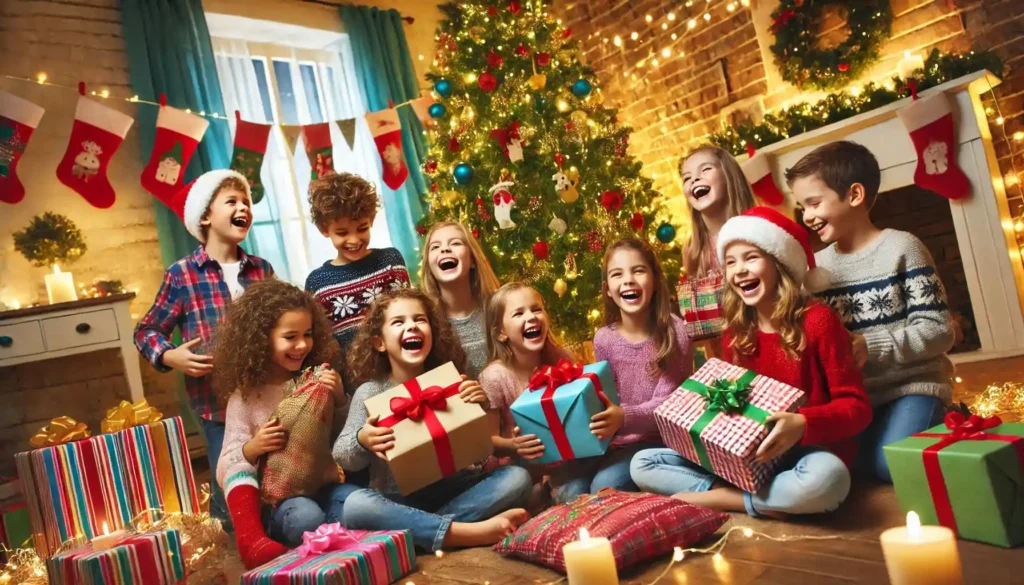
x,y
62,429
127,415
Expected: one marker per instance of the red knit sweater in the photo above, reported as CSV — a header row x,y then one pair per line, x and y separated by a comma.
x,y
837,408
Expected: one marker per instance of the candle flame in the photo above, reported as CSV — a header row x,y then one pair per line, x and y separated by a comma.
x,y
914,525
106,530
56,269
584,535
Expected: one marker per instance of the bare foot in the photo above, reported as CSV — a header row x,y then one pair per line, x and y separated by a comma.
x,y
486,532
723,499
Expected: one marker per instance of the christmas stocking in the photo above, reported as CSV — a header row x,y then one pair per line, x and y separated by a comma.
x,y
18,119
319,149
250,148
759,174
95,136
930,124
177,136
387,133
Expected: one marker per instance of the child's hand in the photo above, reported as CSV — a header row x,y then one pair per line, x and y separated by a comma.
x,y
182,359
860,349
271,437
789,429
331,378
607,422
470,391
528,447
376,439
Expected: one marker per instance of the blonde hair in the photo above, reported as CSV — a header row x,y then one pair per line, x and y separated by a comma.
x,y
494,314
698,253
482,280
787,315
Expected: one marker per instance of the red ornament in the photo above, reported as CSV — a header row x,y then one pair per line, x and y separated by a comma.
x,y
540,250
622,146
430,167
594,241
494,60
434,187
782,20
611,201
522,50
421,230
570,126
637,221
453,144
476,233
513,7
487,82
567,33
559,158
543,59
492,11
843,67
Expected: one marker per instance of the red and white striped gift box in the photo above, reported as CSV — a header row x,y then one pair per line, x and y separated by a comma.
x,y
731,440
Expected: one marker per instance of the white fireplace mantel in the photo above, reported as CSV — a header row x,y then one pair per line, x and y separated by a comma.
x,y
983,221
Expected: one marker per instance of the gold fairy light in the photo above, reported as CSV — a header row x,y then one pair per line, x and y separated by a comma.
x,y
1007,398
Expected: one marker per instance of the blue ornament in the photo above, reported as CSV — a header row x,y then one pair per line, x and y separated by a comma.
x,y
437,110
666,233
582,88
463,173
443,87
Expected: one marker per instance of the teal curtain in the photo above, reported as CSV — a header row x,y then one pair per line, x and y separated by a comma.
x,y
385,72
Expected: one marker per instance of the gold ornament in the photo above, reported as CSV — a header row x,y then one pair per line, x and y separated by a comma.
x,y
538,81
560,287
570,266
450,197
477,33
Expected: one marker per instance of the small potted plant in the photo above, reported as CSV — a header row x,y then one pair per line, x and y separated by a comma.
x,y
52,239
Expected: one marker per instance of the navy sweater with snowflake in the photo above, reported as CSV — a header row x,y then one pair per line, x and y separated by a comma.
x,y
346,292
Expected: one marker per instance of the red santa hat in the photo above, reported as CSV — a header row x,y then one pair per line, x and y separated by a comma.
x,y
779,236
194,199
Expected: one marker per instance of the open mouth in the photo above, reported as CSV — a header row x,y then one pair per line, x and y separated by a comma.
x,y
295,357
533,332
749,287
241,221
818,226
412,343
700,191
352,248
447,264
631,295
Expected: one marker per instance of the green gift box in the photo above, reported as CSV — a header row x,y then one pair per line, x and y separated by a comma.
x,y
967,475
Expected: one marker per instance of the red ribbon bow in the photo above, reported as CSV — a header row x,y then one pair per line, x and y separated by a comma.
x,y
548,379
420,405
505,196
505,135
414,407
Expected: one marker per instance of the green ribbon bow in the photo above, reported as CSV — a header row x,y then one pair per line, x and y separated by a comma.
x,y
723,397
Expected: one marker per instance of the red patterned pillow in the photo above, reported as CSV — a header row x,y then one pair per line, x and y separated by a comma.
x,y
639,526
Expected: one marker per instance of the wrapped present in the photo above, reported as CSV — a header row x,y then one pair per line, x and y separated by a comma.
x,y
150,558
967,475
717,420
335,556
558,406
15,529
305,464
700,302
158,467
436,432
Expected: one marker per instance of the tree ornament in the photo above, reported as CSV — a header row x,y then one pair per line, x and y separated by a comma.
x,y
522,50
477,34
510,140
437,110
463,173
558,226
559,159
443,87
513,7
666,233
541,250
622,146
494,60
567,33
534,204
421,230
487,82
611,201
430,167
492,11
843,67
481,210
543,59
582,88
453,144
594,241
476,233
637,221
451,197
566,187
560,287
434,187
504,201
537,81
570,266
932,130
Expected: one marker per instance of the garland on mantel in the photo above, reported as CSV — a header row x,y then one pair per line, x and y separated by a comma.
x,y
804,117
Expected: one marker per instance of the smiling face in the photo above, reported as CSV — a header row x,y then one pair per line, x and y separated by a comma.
x,y
405,335
630,281
448,255
752,274
351,237
524,325
824,211
229,216
291,340
704,181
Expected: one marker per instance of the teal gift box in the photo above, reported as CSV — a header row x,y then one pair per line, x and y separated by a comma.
x,y
558,406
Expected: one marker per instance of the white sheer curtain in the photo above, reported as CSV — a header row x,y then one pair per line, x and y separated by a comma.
x,y
281,85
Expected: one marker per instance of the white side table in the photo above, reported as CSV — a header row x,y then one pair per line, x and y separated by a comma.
x,y
53,331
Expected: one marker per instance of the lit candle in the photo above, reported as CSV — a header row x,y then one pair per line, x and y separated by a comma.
x,y
107,539
60,286
908,64
589,561
921,555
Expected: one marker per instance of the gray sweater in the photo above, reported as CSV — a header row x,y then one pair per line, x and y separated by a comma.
x,y
891,294
474,341
349,454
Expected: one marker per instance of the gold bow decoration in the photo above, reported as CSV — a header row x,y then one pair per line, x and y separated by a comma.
x,y
62,429
127,415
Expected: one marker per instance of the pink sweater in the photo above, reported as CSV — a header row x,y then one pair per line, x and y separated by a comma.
x,y
503,387
640,392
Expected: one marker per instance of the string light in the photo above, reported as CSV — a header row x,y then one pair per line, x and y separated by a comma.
x,y
692,24
617,41
41,78
1007,398
671,16
649,18
634,35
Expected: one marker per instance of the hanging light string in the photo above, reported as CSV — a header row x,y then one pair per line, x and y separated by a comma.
x,y
1012,179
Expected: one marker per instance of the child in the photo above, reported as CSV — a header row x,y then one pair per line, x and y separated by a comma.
x,y
272,333
716,190
458,278
901,343
402,337
194,297
777,332
343,207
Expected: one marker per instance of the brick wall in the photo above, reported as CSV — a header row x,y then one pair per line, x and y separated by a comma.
x,y
72,41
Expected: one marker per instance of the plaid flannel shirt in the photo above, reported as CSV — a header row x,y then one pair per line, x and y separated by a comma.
x,y
194,298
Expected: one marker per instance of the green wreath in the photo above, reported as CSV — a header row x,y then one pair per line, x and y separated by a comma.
x,y
803,63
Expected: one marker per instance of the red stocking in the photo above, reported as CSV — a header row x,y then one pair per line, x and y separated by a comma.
x,y
177,136
759,174
387,133
18,119
319,149
96,135
250,149
254,546
930,124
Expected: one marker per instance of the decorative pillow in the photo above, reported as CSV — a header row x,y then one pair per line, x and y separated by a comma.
x,y
639,527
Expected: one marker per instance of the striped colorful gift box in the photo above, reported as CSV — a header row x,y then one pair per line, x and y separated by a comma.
x,y
151,558
380,558
158,467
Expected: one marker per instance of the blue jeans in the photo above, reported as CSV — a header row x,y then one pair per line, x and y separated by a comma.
x,y
588,476
287,522
429,513
214,433
810,481
893,422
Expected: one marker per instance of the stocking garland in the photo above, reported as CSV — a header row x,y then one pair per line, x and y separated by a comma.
x,y
18,119
930,124
177,135
319,149
95,136
250,149
387,134
758,172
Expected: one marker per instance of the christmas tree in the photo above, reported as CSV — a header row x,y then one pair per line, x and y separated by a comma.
x,y
525,153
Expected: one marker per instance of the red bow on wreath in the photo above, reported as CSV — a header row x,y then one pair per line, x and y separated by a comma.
x,y
783,19
505,135
503,196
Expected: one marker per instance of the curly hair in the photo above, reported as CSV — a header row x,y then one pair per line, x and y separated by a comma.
x,y
787,316
339,195
243,348
366,363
